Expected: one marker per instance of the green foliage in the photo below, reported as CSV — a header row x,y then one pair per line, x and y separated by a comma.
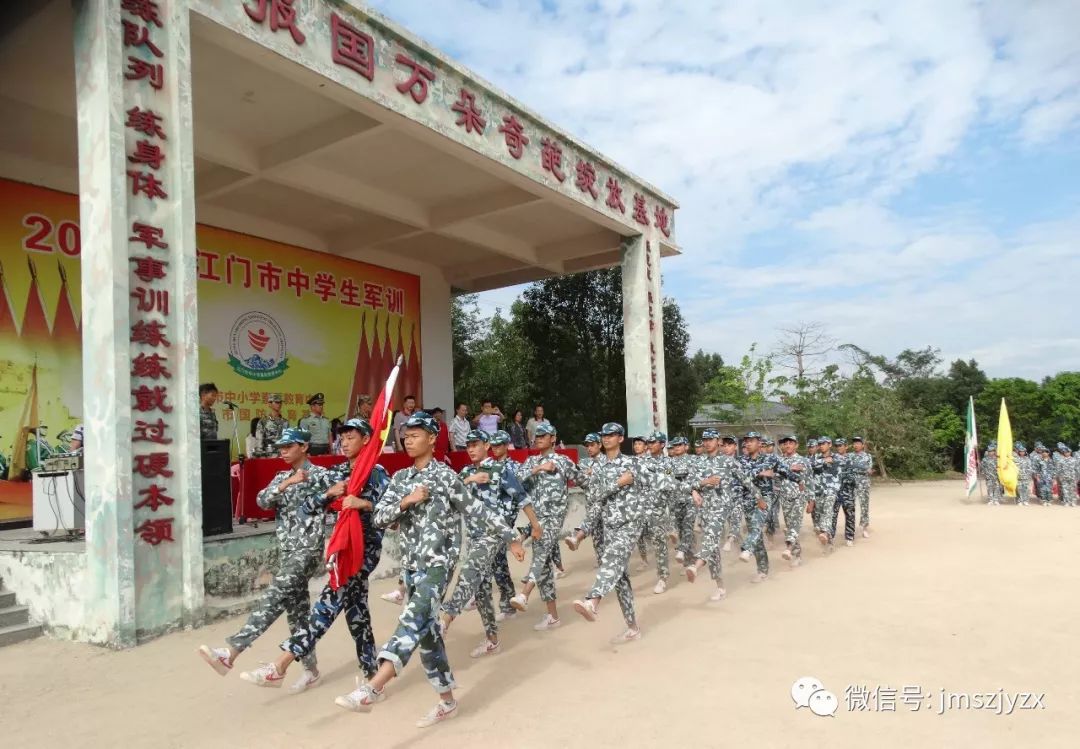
x,y
683,386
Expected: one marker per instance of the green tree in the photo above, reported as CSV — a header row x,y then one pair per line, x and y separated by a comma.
x,y
1061,394
1026,405
683,386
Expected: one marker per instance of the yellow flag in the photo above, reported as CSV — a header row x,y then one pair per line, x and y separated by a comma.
x,y
1006,465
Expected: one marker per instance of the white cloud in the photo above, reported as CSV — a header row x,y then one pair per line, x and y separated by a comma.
x,y
801,122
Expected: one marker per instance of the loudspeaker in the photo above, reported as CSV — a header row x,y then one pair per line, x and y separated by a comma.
x,y
216,488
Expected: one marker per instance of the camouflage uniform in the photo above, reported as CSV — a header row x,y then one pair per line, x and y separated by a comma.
x,y
1044,475
861,466
430,537
269,431
300,540
1025,470
716,504
352,597
500,568
658,478
208,424
1065,471
845,499
988,469
619,513
683,467
596,477
756,517
827,477
549,496
504,496
793,495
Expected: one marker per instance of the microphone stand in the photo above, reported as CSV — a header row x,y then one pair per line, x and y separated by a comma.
x,y
240,457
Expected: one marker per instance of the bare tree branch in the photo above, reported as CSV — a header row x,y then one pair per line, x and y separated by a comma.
x,y
801,349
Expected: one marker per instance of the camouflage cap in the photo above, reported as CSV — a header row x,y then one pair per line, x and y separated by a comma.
x,y
659,436
500,437
677,441
293,436
422,420
612,427
789,438
1063,448
710,434
767,441
697,443
991,445
477,435
77,433
274,398
811,442
1018,446
752,436
591,438
841,441
544,430
857,439
360,425
823,439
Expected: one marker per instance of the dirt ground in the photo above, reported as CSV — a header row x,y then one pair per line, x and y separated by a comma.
x,y
946,595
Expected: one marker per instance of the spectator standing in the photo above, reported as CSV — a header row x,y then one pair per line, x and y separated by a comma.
x,y
408,408
460,427
442,439
489,417
518,437
536,420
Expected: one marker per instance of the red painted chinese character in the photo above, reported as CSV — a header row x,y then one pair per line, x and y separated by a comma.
x,y
469,114
239,261
661,216
151,431
417,83
139,36
349,292
641,214
139,69
351,47
245,414
147,153
516,140
206,271
155,531
151,236
614,195
373,295
148,268
269,276
586,178
282,16
147,10
150,399
150,333
551,158
325,285
154,464
145,122
146,182
153,497
151,300
298,280
395,301
151,367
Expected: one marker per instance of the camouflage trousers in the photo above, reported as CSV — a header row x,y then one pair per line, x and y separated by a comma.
x,y
1068,491
1023,490
772,523
352,598
1044,485
683,516
994,492
794,507
845,501
614,557
824,509
713,511
862,496
288,593
623,592
418,627
474,581
544,555
500,570
654,533
735,519
755,540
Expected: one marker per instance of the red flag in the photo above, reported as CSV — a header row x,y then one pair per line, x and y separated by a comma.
x,y
345,552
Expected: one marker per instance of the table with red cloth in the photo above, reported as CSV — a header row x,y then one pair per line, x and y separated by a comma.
x,y
255,474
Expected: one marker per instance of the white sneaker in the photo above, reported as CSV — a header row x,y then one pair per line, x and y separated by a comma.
x,y
548,622
217,658
471,605
395,596
439,713
866,531
306,681
785,554
691,572
727,546
487,647
361,699
718,595
849,543
265,675
745,556
630,635
759,577
661,586
587,609
519,602
503,616
680,557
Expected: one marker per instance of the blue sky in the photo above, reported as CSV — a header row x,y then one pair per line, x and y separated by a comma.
x,y
906,174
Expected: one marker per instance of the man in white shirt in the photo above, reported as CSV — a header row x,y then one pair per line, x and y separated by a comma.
x,y
489,417
460,427
536,420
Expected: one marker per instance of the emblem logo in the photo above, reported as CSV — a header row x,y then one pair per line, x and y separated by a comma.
x,y
257,347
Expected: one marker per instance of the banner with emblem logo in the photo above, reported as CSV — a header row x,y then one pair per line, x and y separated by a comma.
x,y
273,318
